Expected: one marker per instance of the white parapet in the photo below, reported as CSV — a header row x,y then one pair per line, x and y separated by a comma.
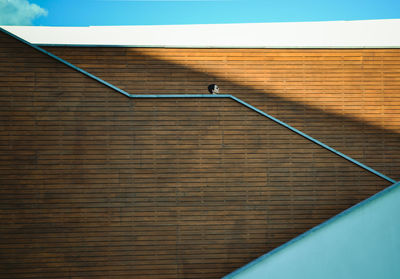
x,y
328,34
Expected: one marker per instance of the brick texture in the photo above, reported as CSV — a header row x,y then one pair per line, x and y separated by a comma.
x,y
96,185
347,98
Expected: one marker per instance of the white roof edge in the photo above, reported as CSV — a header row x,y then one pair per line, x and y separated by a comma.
x,y
325,34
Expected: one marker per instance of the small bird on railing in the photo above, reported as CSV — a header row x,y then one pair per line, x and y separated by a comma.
x,y
213,89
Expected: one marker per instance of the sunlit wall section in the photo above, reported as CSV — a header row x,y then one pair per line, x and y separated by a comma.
x,y
347,98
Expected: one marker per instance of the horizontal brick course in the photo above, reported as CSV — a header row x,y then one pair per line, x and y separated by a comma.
x,y
347,98
97,185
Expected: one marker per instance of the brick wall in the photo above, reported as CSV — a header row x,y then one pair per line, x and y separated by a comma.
x,y
347,98
96,185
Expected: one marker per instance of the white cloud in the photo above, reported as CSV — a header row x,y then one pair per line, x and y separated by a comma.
x,y
19,12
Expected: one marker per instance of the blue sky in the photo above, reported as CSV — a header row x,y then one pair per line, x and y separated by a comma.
x,y
154,12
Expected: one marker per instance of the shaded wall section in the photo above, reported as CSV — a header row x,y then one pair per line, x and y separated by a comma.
x,y
347,98
360,243
95,185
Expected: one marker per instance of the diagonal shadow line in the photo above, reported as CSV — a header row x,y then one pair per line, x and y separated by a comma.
x,y
107,84
373,135
209,96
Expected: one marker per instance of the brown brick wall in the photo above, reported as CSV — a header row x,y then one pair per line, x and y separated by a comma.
x,y
96,185
347,98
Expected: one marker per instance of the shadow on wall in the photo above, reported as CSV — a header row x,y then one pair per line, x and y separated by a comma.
x,y
182,71
139,72
181,188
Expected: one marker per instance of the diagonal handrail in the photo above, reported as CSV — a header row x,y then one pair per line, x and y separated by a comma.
x,y
65,62
133,96
323,145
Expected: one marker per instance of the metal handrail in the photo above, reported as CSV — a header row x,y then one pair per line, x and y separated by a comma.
x,y
323,145
202,96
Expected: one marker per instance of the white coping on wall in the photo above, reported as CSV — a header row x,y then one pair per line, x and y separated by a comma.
x,y
328,34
